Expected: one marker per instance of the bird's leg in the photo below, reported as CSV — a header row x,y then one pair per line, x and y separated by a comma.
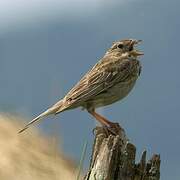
x,y
100,118
110,125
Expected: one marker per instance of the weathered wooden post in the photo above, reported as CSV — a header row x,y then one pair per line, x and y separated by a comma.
x,y
113,158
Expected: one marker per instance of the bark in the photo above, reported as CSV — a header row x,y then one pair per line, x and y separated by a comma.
x,y
113,158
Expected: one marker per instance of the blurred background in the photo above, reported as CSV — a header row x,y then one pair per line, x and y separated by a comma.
x,y
31,156
46,46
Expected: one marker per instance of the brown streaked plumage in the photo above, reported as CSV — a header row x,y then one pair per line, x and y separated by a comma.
x,y
110,80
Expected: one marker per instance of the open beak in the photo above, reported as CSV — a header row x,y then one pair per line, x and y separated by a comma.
x,y
134,41
135,52
138,41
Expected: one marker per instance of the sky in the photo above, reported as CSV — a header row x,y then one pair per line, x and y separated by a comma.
x,y
47,46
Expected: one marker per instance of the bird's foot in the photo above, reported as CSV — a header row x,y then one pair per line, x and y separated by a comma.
x,y
109,127
112,129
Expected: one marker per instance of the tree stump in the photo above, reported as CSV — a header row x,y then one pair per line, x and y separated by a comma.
x,y
113,158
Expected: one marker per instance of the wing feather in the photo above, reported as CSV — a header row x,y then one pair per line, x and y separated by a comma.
x,y
99,79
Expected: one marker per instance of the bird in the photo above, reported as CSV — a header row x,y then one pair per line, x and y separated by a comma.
x,y
108,81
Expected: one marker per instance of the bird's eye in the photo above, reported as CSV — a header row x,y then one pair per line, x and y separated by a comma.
x,y
120,46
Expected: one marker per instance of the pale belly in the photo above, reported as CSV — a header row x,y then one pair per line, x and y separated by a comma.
x,y
113,94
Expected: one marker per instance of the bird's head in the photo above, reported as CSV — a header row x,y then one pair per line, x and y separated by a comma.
x,y
125,46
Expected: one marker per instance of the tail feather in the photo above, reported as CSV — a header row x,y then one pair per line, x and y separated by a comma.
x,y
48,112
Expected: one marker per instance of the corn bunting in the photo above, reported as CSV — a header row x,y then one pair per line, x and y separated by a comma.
x,y
110,80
